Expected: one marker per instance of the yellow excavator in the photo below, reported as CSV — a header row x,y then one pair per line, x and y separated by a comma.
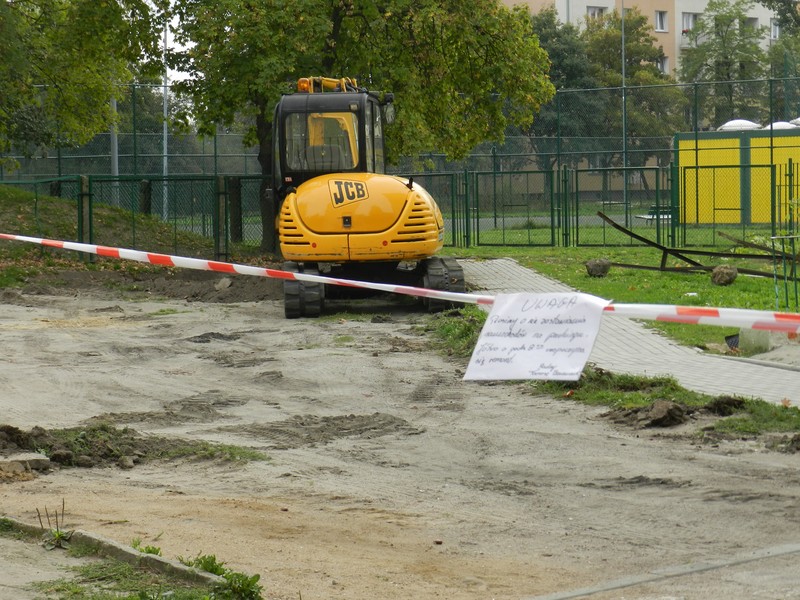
x,y
340,214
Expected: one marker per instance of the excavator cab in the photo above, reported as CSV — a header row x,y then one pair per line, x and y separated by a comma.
x,y
317,133
339,213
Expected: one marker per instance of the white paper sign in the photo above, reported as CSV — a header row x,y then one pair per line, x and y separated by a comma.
x,y
537,336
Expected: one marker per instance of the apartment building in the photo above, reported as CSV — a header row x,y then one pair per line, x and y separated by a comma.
x,y
670,19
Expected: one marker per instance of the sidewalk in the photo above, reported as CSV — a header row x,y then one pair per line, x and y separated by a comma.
x,y
626,346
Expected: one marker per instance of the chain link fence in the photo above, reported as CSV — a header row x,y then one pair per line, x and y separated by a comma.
x,y
657,160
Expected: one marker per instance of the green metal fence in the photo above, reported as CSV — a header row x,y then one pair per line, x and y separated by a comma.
x,y
687,206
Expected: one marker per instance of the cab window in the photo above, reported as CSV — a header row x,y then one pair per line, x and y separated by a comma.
x,y
325,142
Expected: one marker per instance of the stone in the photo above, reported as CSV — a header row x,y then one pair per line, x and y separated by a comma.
x,y
30,461
598,267
62,457
84,461
223,284
663,413
724,275
125,462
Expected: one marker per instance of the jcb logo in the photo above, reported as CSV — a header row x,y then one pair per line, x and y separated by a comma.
x,y
343,191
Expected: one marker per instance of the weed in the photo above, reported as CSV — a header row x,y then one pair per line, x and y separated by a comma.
x,y
137,545
205,562
457,330
237,586
54,536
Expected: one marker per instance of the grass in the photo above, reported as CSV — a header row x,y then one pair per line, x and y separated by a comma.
x,y
109,579
25,213
456,330
105,444
636,286
455,333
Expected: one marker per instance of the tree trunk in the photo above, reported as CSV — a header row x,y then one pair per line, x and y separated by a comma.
x,y
267,196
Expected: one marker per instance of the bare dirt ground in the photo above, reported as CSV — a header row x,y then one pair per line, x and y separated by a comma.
x,y
388,476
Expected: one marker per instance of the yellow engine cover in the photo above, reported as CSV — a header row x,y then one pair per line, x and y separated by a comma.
x,y
359,217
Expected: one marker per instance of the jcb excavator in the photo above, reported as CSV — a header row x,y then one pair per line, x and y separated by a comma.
x,y
340,214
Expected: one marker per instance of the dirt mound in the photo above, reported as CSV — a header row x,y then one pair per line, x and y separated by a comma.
x,y
184,284
98,445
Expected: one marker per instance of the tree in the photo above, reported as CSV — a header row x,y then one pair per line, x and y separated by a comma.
x,y
63,61
724,48
786,11
653,110
460,71
569,116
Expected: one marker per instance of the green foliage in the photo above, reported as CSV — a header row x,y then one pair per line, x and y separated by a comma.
x,y
598,387
457,330
788,15
237,586
570,69
461,71
205,562
758,417
603,38
207,451
55,536
62,61
6,525
111,580
103,444
637,286
652,109
723,48
137,545
39,215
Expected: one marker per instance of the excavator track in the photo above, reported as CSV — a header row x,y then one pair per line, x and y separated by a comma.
x,y
441,274
302,298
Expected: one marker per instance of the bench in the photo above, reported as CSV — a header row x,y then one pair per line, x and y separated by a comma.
x,y
656,213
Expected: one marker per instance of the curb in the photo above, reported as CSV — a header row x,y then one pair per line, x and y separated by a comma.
x,y
109,548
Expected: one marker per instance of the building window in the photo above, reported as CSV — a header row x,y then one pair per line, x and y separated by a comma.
x,y
595,12
751,23
663,65
689,21
774,29
661,20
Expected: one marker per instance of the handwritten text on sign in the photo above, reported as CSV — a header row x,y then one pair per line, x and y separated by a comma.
x,y
537,336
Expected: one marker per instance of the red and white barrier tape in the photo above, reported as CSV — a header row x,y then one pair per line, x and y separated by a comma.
x,y
184,262
727,317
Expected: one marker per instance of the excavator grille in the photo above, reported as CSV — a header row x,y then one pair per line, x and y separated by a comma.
x,y
290,234
420,224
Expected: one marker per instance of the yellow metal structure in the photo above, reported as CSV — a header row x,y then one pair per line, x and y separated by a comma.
x,y
359,216
339,212
729,177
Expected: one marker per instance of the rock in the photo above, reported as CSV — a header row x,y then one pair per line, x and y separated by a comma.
x,y
62,457
598,267
11,467
84,461
223,284
125,462
663,413
29,461
724,275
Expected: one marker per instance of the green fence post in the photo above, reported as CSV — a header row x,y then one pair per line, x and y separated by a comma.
x,y
467,213
85,215
220,221
145,196
565,232
235,203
